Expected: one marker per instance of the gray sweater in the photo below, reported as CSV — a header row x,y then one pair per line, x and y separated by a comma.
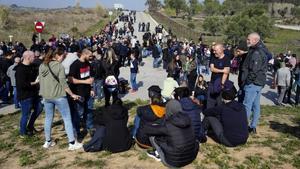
x,y
283,77
11,74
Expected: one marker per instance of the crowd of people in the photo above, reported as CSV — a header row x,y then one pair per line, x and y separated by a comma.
x,y
69,75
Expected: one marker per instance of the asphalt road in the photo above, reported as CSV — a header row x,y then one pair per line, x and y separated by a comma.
x,y
149,76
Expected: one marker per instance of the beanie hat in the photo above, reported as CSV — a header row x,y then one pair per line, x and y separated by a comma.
x,y
173,107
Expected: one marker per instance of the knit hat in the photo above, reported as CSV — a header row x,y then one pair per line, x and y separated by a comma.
x,y
173,107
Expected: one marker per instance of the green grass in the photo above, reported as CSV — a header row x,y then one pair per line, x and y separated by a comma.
x,y
280,140
26,158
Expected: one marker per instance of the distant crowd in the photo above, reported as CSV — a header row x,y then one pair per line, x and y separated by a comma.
x,y
70,74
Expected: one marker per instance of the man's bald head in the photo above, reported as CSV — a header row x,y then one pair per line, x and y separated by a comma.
x,y
28,57
219,49
17,60
253,39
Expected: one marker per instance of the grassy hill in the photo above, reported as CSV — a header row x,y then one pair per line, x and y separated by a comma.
x,y
21,22
275,146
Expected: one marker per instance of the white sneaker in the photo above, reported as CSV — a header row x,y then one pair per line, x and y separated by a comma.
x,y
75,146
49,144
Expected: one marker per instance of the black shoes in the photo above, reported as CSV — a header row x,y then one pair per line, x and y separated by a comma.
x,y
251,130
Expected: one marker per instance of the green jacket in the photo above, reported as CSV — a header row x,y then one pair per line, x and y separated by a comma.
x,y
50,88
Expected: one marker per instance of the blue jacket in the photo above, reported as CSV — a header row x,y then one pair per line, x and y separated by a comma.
x,y
193,111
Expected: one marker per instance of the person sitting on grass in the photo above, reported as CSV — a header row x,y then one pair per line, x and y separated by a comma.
x,y
174,142
228,121
193,110
169,85
111,133
147,115
200,91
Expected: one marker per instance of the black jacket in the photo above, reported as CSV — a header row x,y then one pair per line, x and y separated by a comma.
x,y
177,140
147,117
233,117
117,137
255,66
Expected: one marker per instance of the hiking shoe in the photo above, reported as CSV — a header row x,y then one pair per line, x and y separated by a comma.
x,y
153,154
49,144
74,146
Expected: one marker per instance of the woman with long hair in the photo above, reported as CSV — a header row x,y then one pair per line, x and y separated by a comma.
x,y
53,89
111,67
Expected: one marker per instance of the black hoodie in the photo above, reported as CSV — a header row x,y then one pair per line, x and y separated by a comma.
x,y
233,117
117,137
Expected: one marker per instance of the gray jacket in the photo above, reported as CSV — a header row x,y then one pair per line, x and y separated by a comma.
x,y
254,69
11,74
283,77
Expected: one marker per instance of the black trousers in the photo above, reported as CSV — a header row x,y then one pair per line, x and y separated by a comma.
x,y
108,94
213,123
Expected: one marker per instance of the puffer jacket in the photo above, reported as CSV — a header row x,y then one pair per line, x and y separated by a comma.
x,y
176,138
193,111
149,114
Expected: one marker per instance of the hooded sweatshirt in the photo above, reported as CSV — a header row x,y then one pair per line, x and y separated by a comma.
x,y
233,118
50,88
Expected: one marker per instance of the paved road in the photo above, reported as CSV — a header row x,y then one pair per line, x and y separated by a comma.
x,y
291,27
149,76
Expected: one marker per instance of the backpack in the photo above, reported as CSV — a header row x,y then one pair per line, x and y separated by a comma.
x,y
111,82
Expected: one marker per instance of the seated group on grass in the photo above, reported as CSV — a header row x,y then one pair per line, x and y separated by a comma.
x,y
171,131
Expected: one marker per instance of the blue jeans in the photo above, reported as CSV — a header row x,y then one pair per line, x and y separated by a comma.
x,y
26,106
133,81
252,103
63,107
85,111
155,62
98,87
136,126
16,101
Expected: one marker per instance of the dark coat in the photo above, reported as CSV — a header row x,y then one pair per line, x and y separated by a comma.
x,y
233,117
177,140
255,66
147,117
193,111
117,137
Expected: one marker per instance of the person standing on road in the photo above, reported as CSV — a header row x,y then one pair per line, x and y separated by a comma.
x,y
282,79
254,78
133,72
156,52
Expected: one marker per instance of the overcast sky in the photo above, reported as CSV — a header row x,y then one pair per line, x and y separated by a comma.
x,y
128,4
